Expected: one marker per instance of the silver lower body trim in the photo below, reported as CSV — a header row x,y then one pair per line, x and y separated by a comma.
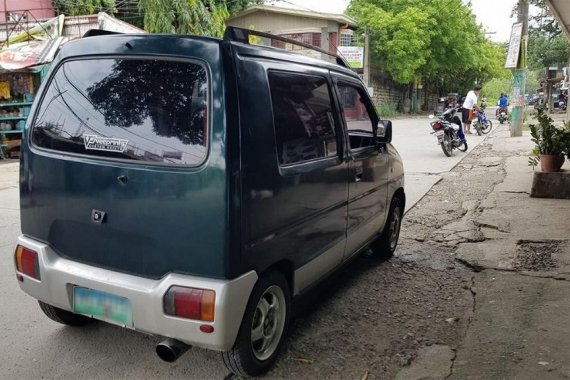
x,y
59,276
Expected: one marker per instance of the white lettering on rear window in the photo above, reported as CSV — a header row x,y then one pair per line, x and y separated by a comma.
x,y
94,142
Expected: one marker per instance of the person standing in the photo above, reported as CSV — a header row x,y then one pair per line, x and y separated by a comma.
x,y
469,105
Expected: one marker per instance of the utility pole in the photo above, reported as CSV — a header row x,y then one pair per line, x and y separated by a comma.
x,y
519,74
366,71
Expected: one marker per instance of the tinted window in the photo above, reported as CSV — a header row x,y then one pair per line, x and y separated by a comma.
x,y
355,112
304,124
143,110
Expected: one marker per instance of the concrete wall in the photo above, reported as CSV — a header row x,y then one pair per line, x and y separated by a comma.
x,y
39,9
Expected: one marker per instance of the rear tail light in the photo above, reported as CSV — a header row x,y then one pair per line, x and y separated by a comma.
x,y
190,303
436,126
27,262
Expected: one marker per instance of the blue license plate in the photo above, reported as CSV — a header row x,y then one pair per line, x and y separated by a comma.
x,y
104,306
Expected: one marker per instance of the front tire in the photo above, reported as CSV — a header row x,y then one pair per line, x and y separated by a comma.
x,y
486,128
263,327
385,245
478,129
63,316
463,146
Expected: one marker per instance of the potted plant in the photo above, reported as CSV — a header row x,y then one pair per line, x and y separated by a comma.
x,y
551,142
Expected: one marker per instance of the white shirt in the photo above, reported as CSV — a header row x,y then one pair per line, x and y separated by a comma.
x,y
470,100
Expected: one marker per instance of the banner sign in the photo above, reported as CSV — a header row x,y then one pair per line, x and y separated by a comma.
x,y
354,55
26,54
514,46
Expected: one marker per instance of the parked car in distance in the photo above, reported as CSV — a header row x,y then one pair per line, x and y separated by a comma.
x,y
193,188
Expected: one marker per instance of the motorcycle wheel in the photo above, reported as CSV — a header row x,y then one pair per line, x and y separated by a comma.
x,y
446,145
487,126
478,128
463,146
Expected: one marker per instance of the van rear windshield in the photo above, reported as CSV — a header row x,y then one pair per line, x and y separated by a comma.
x,y
134,109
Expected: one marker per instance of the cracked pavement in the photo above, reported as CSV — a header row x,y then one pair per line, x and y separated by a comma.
x,y
518,252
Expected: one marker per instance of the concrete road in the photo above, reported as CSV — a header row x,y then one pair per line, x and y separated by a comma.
x,y
423,158
34,347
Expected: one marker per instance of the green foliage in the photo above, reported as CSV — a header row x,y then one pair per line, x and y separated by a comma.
x,y
386,110
548,138
545,51
492,89
199,17
235,6
83,7
435,41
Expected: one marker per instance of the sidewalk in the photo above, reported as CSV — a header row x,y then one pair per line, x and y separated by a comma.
x,y
519,328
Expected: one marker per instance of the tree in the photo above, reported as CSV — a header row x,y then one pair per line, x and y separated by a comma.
x,y
436,42
83,7
200,17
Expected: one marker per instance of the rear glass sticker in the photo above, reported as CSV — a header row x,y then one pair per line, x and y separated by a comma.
x,y
108,144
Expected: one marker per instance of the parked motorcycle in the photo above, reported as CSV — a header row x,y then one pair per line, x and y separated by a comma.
x,y
502,115
482,123
446,127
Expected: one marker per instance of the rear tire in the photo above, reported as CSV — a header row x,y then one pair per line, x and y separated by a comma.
x,y
63,316
263,328
446,145
385,245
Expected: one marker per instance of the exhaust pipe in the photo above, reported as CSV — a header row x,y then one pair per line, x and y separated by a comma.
x,y
171,349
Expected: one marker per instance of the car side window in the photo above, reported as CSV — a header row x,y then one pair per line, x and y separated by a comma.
x,y
303,117
355,112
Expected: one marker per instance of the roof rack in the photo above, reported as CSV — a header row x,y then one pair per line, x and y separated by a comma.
x,y
98,32
236,34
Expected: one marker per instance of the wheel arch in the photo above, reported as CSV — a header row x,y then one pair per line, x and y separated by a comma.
x,y
286,268
399,193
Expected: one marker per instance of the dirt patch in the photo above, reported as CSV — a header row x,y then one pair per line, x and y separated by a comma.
x,y
536,255
373,318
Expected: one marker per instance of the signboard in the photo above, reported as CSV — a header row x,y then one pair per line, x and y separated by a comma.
x,y
26,54
514,46
354,55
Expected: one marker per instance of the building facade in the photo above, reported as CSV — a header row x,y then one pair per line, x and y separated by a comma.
x,y
28,10
323,30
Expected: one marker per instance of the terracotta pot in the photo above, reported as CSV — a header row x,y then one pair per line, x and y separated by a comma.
x,y
551,163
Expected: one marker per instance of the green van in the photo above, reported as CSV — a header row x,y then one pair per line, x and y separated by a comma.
x,y
193,188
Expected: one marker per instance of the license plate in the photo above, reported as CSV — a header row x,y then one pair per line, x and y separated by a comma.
x,y
104,306
439,135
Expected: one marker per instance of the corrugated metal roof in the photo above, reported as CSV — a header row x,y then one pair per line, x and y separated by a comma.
x,y
340,18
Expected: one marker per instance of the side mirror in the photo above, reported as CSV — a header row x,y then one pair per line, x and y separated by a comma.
x,y
384,131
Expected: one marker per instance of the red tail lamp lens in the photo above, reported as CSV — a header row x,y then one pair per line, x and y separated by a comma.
x,y
27,262
436,126
190,303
